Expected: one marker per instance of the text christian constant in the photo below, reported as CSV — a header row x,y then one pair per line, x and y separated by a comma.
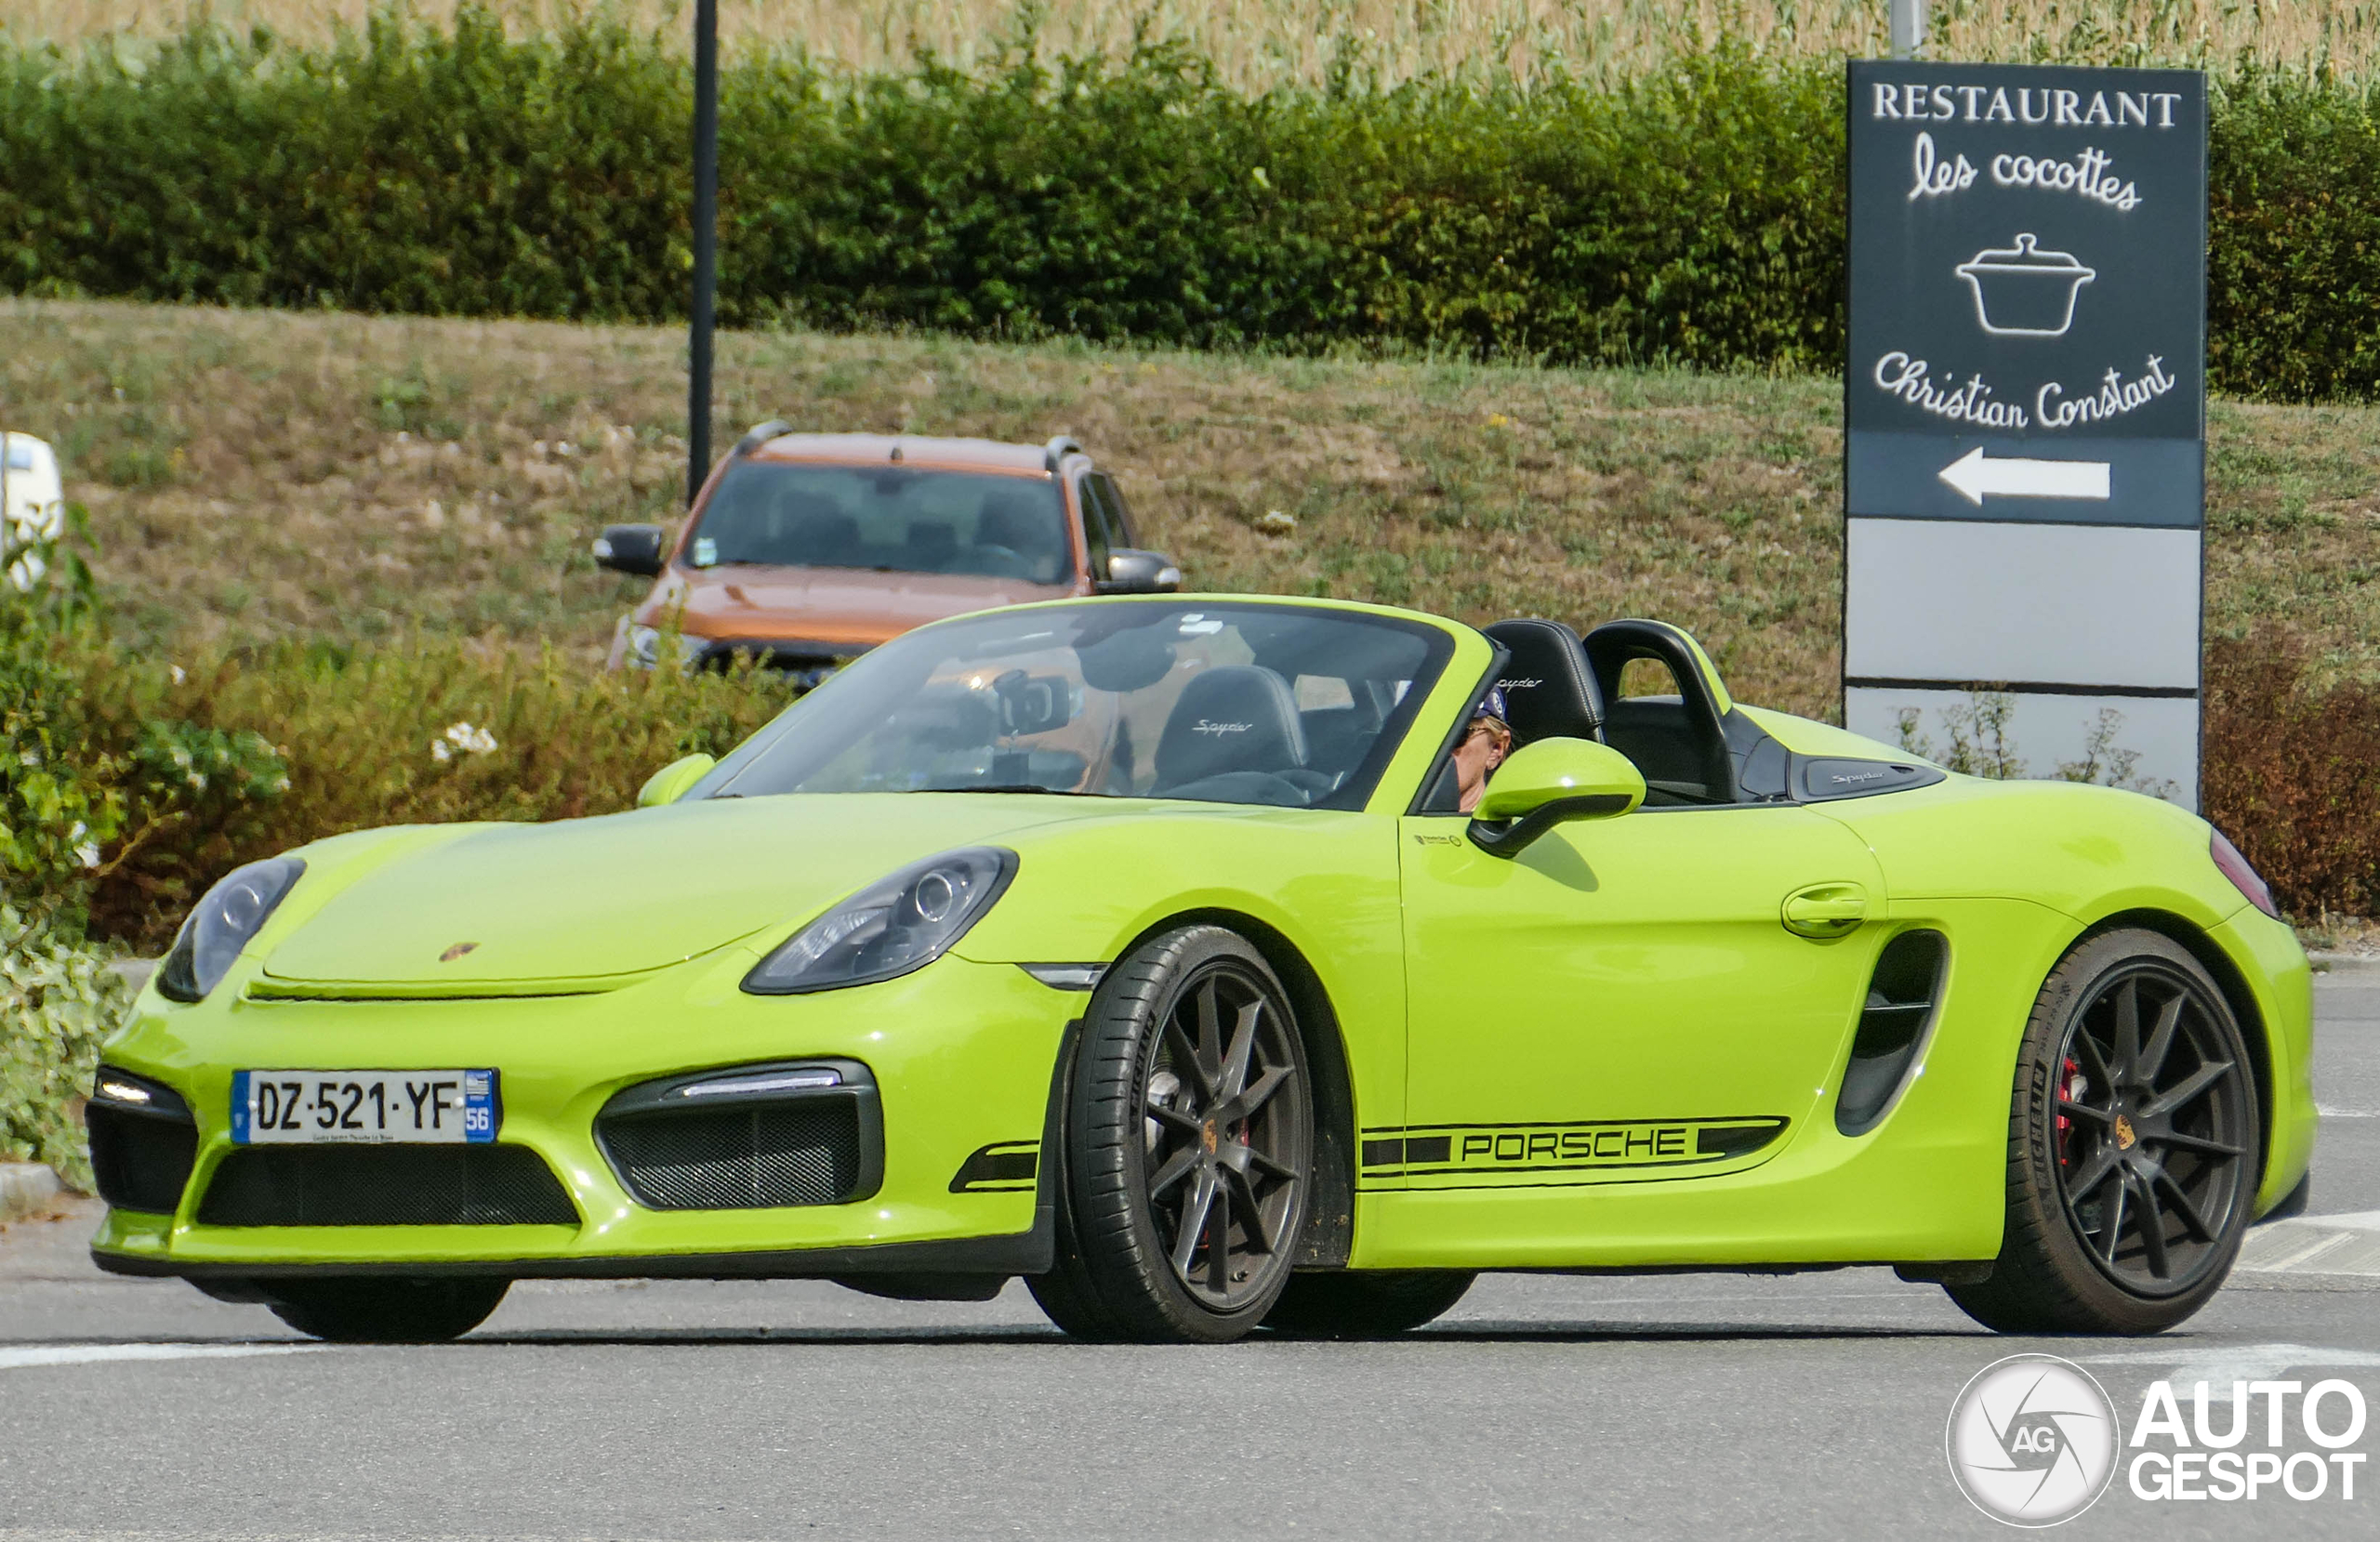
x,y
1972,400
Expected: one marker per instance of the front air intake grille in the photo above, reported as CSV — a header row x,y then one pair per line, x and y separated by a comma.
x,y
489,1185
793,1152
142,1160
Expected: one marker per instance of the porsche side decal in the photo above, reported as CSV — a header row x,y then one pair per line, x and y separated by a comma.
x,y
1423,1150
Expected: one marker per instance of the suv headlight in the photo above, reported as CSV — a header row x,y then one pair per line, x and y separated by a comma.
x,y
887,930
644,647
232,912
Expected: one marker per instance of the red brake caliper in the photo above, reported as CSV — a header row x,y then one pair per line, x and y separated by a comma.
x,y
2072,1083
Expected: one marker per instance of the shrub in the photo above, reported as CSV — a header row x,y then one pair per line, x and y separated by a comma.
x,y
2292,773
1692,214
57,1002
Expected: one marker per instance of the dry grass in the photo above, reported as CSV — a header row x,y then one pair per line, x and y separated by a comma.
x,y
261,474
1258,43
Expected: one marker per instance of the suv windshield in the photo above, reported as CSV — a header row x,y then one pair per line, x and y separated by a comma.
x,y
1214,702
894,519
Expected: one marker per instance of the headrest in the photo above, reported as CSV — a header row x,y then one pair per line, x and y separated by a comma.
x,y
1548,692
1237,718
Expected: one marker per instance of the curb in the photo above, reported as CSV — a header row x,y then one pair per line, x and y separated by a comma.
x,y
2344,963
26,1188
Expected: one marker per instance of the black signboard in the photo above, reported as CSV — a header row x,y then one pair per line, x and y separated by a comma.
x,y
2028,294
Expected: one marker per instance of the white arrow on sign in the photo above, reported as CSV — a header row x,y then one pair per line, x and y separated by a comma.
x,y
1975,475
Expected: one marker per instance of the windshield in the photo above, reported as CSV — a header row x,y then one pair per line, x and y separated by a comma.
x,y
1214,702
894,519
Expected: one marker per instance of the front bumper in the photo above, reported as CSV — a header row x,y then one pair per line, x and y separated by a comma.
x,y
964,1055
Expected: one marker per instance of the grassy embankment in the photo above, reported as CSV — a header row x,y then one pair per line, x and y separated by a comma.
x,y
1255,45
255,476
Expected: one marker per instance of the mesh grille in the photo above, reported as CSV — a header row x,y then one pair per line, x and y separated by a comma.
x,y
141,1162
742,1159
386,1186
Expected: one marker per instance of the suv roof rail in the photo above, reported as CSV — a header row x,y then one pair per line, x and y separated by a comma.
x,y
1058,449
760,434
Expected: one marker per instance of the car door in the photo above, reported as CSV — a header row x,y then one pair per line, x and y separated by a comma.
x,y
1624,1001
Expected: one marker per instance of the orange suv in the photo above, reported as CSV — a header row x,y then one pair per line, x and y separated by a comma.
x,y
806,550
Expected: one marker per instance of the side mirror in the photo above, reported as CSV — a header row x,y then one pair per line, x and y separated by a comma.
x,y
669,784
1548,782
630,548
1131,571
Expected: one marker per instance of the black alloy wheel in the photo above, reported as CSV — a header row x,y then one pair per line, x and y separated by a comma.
x,y
2134,1146
1189,1139
2153,1124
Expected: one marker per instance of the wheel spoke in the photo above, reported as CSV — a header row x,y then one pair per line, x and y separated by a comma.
x,y
1234,1076
1218,1241
2182,1206
2097,1062
1211,1030
1185,1049
2160,1040
1252,1212
1165,1114
1193,1222
1258,1161
2087,1182
2194,1144
2150,1223
2098,1116
1181,1165
1252,1098
2190,1089
2127,1045
2111,1223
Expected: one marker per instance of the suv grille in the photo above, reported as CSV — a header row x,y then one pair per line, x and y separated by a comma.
x,y
753,1157
489,1185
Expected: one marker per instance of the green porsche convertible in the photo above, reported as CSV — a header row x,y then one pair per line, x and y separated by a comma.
x,y
1142,947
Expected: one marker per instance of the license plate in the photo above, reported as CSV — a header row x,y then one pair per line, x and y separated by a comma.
x,y
364,1107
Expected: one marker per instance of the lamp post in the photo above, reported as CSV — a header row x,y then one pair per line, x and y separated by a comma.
x,y
705,221
1907,28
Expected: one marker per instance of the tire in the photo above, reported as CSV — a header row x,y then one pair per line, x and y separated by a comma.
x,y
386,1310
1366,1303
1189,1135
2134,1144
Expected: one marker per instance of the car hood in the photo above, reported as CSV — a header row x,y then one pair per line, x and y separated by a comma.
x,y
854,605
585,904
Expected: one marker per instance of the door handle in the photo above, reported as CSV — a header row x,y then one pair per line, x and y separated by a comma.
x,y
1826,909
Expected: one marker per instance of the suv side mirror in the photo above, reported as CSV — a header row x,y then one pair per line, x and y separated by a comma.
x,y
669,784
1131,571
1548,782
630,548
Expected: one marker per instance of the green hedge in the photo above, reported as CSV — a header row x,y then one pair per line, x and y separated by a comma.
x,y
1693,216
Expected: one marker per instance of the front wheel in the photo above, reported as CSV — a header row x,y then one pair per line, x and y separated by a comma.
x,y
1188,1143
385,1311
2133,1142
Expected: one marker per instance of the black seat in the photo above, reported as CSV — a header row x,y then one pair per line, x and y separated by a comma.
x,y
1236,718
1548,690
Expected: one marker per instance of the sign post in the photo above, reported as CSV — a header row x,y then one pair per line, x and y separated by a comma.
x,y
2024,406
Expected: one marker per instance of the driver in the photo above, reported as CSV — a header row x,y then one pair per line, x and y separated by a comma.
x,y
1486,742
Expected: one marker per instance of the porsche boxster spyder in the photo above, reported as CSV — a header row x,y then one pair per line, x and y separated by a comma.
x,y
1141,947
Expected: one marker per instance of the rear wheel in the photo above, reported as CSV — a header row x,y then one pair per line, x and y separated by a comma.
x,y
2133,1147
1188,1139
1366,1303
385,1311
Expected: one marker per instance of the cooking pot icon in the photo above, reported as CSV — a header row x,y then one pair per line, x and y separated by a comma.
x,y
2021,291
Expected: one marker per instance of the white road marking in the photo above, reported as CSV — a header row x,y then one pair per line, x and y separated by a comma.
x,y
20,1357
2235,1361
2328,1112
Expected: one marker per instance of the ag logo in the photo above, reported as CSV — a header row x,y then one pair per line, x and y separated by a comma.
x,y
2032,1441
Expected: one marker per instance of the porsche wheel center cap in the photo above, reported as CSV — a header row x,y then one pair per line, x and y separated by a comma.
x,y
1207,1136
2126,1137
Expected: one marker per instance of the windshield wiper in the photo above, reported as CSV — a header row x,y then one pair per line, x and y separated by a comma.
x,y
1009,787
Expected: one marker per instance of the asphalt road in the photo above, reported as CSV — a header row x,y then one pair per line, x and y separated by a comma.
x,y
1702,1406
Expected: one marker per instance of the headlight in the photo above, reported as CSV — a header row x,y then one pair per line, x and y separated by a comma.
x,y
888,928
644,647
232,912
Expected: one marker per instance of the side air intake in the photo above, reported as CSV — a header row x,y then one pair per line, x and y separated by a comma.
x,y
1902,1000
